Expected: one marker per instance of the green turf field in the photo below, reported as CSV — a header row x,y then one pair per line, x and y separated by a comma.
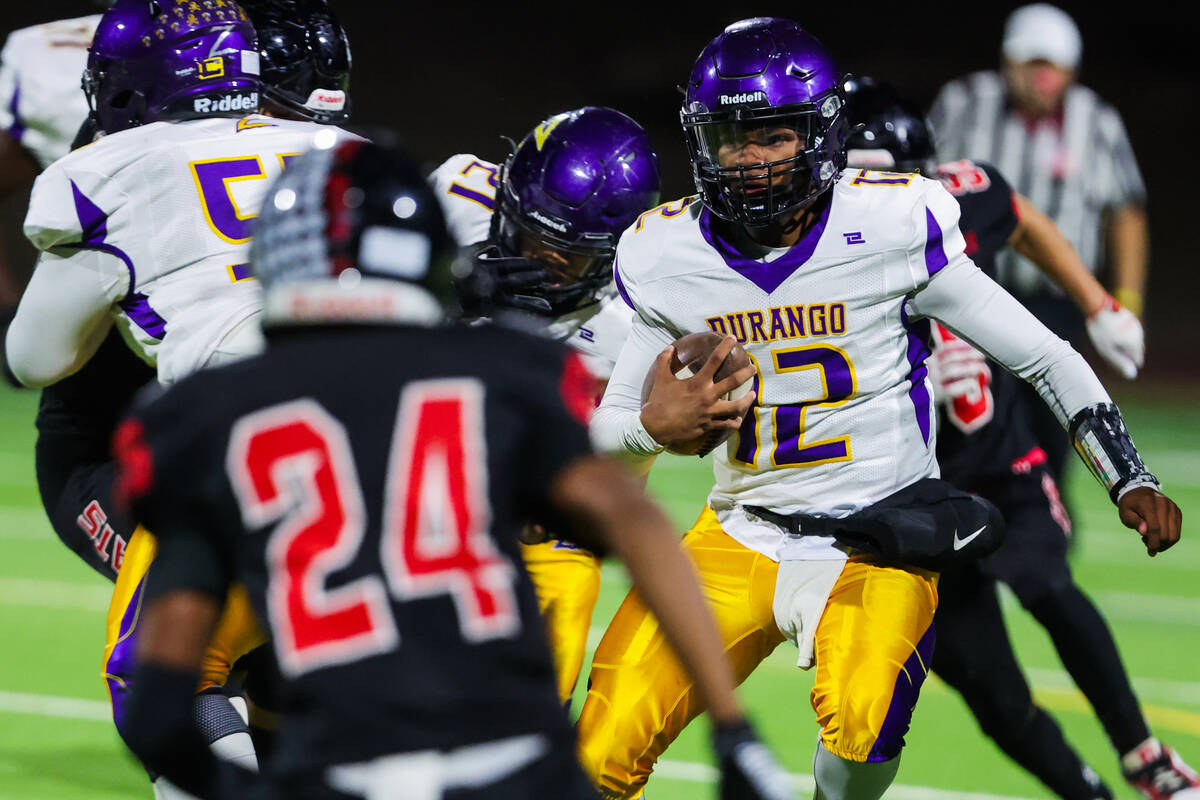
x,y
56,740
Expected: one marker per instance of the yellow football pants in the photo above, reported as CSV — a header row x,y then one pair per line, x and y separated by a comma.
x,y
567,581
873,646
237,632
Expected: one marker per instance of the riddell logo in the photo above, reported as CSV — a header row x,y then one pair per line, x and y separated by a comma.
x,y
327,100
744,97
229,102
547,221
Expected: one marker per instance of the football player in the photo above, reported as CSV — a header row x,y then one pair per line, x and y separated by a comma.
x,y
986,444
542,230
148,226
367,475
825,525
41,107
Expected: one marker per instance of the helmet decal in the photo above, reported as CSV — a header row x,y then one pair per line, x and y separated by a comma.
x,y
154,60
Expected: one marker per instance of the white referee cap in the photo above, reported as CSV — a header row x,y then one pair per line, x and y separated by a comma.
x,y
1041,30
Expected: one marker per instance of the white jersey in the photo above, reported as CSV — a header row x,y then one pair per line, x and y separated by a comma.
x,y
42,103
466,186
163,214
843,415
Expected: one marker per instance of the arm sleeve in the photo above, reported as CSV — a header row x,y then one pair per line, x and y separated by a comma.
x,y
64,314
616,427
979,310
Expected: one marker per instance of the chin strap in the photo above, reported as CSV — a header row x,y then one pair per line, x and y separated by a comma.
x,y
1100,438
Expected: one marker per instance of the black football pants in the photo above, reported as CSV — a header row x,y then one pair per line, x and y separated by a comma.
x,y
974,654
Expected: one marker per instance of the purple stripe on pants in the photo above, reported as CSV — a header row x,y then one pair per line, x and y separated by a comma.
x,y
904,700
118,670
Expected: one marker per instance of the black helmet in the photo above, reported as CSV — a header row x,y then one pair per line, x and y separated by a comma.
x,y
887,131
304,58
352,232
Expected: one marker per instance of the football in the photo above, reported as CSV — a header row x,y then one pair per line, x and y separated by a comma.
x,y
691,351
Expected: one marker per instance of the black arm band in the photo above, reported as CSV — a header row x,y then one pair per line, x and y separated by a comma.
x,y
1100,438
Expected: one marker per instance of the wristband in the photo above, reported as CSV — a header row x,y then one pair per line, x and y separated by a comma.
x,y
1131,299
1100,438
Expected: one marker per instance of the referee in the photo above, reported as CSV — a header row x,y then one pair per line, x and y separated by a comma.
x,y
1067,151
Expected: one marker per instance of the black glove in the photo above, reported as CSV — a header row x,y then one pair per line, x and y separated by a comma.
x,y
487,279
87,132
748,770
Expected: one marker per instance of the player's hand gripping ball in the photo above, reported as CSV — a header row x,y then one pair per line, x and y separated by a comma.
x,y
712,414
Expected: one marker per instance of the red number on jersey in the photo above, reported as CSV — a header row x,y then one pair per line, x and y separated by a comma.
x,y
292,465
437,515
963,177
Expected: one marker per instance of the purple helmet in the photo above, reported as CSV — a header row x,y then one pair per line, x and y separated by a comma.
x,y
567,192
152,60
761,85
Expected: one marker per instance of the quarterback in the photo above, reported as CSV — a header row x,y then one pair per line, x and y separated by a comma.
x,y
829,280
541,232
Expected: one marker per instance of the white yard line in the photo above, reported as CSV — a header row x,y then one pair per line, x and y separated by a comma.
x,y
687,771
37,593
45,705
26,522
692,772
1159,690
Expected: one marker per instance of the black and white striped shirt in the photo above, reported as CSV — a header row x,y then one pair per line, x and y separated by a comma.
x,y
1073,169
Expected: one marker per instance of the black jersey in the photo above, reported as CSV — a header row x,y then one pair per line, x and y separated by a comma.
x,y
985,434
367,485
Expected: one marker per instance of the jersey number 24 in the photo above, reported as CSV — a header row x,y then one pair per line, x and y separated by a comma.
x,y
292,467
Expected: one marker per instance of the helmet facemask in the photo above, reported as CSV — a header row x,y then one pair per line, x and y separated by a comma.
x,y
578,266
756,166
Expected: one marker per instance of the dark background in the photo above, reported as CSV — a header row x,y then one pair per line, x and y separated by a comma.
x,y
454,77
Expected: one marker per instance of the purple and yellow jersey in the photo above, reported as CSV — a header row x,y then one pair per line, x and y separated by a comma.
x,y
843,415
170,206
466,186
42,103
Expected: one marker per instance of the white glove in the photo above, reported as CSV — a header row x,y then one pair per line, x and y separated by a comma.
x,y
1118,337
956,369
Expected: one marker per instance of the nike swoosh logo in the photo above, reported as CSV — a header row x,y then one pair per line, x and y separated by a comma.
x,y
959,544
